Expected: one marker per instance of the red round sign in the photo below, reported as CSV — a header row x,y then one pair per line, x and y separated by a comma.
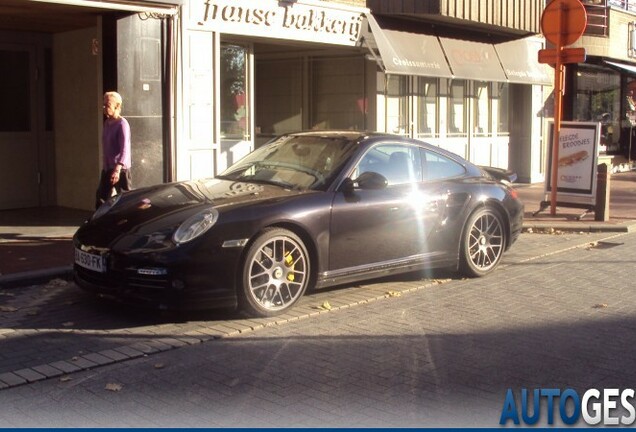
x,y
565,17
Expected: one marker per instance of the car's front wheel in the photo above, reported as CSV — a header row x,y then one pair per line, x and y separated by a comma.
x,y
482,243
276,273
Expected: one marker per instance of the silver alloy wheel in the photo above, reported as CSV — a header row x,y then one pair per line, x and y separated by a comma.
x,y
485,241
278,273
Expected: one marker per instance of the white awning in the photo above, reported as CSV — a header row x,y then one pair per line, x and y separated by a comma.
x,y
405,53
624,67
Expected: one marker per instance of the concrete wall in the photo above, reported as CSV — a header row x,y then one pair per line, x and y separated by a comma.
x,y
616,45
77,102
528,131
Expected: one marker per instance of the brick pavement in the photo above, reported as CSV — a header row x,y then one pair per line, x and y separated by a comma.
x,y
560,312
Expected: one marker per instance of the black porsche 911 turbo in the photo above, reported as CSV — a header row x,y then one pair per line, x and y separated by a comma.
x,y
306,210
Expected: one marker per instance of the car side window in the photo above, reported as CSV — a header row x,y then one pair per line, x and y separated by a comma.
x,y
398,163
438,167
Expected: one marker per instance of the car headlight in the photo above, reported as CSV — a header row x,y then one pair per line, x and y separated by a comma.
x,y
105,208
195,226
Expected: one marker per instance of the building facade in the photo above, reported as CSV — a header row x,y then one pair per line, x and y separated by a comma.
x,y
206,81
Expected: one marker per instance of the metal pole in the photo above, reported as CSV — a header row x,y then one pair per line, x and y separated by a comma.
x,y
558,98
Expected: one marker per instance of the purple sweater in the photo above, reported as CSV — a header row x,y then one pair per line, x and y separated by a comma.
x,y
116,143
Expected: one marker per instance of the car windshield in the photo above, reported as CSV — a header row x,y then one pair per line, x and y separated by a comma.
x,y
295,162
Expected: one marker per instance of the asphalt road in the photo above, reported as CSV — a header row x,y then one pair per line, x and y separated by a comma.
x,y
414,351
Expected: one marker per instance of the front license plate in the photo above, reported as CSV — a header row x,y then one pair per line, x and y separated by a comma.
x,y
90,261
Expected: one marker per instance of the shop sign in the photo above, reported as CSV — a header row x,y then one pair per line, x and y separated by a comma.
x,y
578,155
298,20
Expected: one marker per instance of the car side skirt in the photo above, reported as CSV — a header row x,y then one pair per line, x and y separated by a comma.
x,y
385,268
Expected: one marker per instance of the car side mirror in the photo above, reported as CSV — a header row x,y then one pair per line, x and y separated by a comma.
x,y
371,180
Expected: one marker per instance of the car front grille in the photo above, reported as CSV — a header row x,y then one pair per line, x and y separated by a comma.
x,y
127,283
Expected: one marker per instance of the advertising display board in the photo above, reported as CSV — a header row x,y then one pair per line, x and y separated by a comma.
x,y
578,158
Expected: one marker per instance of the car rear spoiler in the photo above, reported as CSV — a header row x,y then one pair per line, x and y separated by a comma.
x,y
500,174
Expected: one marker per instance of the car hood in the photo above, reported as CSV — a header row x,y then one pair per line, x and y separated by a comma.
x,y
164,207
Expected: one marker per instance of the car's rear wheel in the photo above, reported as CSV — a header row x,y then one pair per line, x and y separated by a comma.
x,y
276,272
482,243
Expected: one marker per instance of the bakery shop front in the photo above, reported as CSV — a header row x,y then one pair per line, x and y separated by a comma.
x,y
254,69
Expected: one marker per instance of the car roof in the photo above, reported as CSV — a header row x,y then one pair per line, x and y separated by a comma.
x,y
359,136
349,134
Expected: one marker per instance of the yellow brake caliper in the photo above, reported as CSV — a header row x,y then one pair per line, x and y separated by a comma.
x,y
289,261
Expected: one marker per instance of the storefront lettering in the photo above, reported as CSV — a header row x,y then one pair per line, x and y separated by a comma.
x,y
297,17
418,64
319,21
532,74
238,14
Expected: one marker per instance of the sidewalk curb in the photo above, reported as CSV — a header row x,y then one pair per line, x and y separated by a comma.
x,y
591,227
35,276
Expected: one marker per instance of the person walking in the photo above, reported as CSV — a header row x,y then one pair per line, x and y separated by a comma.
x,y
115,176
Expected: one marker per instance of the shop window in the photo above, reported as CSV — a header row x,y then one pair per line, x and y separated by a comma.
x,y
456,108
279,96
481,103
630,102
337,97
629,116
233,91
427,98
501,94
397,112
598,100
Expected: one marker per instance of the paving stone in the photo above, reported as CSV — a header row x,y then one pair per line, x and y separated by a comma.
x,y
114,355
215,334
48,371
30,375
224,330
144,348
83,363
190,340
65,366
12,379
173,342
98,359
158,345
130,352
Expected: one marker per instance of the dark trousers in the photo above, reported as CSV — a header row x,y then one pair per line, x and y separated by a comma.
x,y
105,189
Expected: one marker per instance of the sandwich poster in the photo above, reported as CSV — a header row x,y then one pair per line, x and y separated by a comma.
x,y
578,155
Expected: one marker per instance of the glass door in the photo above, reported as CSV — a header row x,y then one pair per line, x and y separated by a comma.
x,y
236,78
